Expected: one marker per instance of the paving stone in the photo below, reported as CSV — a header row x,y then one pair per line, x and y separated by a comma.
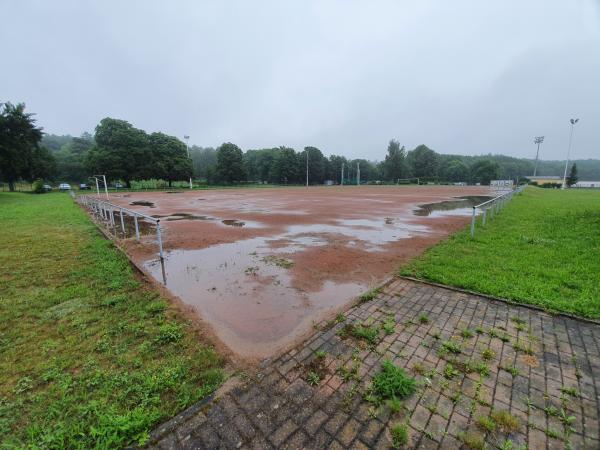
x,y
278,409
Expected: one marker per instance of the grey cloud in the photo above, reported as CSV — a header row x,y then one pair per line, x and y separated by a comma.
x,y
346,76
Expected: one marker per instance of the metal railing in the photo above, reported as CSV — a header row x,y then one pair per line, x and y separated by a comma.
x,y
108,214
494,206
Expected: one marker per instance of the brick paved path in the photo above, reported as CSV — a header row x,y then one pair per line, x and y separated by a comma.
x,y
487,372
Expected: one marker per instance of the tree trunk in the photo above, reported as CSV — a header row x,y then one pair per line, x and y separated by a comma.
x,y
170,181
11,186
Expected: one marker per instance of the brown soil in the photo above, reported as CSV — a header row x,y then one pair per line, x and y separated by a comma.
x,y
338,239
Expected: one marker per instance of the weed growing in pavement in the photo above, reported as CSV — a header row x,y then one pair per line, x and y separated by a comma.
x,y
320,354
392,382
313,378
399,435
486,423
514,371
418,368
452,347
395,405
472,440
423,318
573,392
466,333
389,326
370,295
488,354
450,371
505,421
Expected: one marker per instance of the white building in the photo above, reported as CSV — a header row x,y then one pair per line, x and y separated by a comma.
x,y
587,184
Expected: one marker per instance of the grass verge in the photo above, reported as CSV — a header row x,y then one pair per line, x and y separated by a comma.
x,y
542,249
89,356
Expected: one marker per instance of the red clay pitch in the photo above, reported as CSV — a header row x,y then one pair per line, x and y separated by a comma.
x,y
262,265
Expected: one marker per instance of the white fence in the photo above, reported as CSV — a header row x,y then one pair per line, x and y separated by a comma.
x,y
493,207
124,223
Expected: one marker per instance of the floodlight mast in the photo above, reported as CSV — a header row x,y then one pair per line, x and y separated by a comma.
x,y
306,149
342,182
187,145
573,122
358,174
538,140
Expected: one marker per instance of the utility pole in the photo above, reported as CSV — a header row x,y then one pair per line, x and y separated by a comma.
x,y
358,174
342,183
187,145
306,150
573,122
538,140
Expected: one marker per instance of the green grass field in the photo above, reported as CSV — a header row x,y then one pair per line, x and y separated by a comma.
x,y
543,249
89,356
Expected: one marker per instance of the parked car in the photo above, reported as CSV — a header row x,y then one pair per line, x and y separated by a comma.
x,y
47,188
64,187
84,187
119,186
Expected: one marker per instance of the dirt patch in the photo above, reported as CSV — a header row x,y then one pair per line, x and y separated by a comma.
x,y
289,257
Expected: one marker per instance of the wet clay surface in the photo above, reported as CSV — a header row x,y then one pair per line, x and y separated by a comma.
x,y
300,255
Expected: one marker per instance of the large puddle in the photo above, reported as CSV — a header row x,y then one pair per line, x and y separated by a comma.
x,y
460,206
296,256
246,288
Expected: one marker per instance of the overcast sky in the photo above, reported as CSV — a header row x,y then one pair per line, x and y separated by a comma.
x,y
346,76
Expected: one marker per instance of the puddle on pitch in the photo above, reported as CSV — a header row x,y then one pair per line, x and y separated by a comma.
x,y
462,206
246,292
143,203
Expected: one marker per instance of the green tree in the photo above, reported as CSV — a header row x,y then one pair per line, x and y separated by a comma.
x,y
204,161
455,170
334,171
394,166
259,164
230,164
423,162
572,178
71,158
485,170
21,156
169,158
285,166
317,165
122,152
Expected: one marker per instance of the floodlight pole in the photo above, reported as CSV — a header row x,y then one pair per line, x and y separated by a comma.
x,y
306,167
538,140
573,122
342,183
358,174
187,145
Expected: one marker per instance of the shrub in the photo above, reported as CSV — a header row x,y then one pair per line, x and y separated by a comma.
x,y
38,186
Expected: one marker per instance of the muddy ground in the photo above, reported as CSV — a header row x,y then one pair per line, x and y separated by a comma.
x,y
262,265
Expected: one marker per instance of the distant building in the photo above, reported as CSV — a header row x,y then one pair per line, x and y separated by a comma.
x,y
539,180
501,184
587,184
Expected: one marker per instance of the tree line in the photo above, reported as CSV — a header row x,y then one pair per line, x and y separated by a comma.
x,y
125,153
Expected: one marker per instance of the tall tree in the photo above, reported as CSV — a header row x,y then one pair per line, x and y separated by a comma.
x,y
485,170
230,166
572,178
316,165
20,153
169,158
423,162
455,170
394,165
204,160
71,158
121,152
285,166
